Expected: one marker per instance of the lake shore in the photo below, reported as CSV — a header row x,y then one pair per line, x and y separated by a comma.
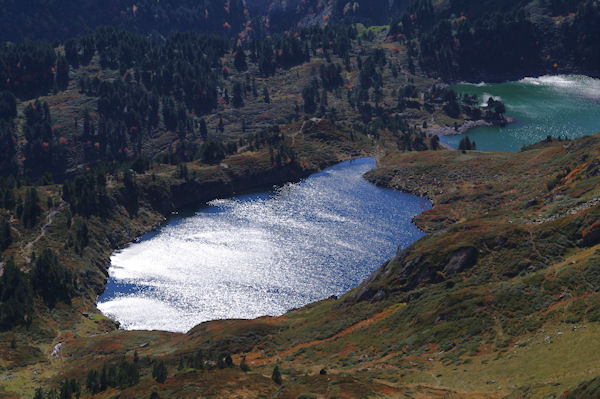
x,y
341,256
466,126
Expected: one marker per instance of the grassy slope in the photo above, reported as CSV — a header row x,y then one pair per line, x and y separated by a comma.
x,y
521,320
521,317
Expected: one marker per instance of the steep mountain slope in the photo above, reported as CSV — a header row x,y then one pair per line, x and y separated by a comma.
x,y
61,19
452,39
496,40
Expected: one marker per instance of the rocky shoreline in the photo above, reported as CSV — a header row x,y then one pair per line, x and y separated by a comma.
x,y
466,126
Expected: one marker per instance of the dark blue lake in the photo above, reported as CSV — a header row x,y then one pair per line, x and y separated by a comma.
x,y
261,253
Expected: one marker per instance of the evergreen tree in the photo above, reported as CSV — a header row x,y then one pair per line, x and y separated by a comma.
x,y
72,52
240,60
434,142
221,125
197,361
31,208
159,372
244,366
8,159
92,384
5,235
465,144
27,68
276,376
51,280
220,362
452,108
308,95
81,235
16,298
8,105
203,130
103,378
86,194
238,100
39,394
324,102
130,193
498,106
62,73
69,388
127,375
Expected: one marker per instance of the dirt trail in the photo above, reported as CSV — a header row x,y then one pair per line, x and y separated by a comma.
x,y
27,249
256,358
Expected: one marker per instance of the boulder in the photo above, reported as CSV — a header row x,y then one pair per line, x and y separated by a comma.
x,y
460,260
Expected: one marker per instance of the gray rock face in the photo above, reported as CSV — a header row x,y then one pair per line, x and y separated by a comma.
x,y
460,260
413,272
56,350
409,267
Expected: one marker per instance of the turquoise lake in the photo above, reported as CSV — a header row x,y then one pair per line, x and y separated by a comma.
x,y
566,106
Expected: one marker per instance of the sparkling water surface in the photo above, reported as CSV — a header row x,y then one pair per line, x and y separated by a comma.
x,y
562,105
261,253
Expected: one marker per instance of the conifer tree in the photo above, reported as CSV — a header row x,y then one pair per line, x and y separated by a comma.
x,y
62,73
240,60
238,100
244,366
203,130
221,126
276,376
16,298
159,372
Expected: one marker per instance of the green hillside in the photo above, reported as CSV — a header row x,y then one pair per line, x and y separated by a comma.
x,y
108,131
499,299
